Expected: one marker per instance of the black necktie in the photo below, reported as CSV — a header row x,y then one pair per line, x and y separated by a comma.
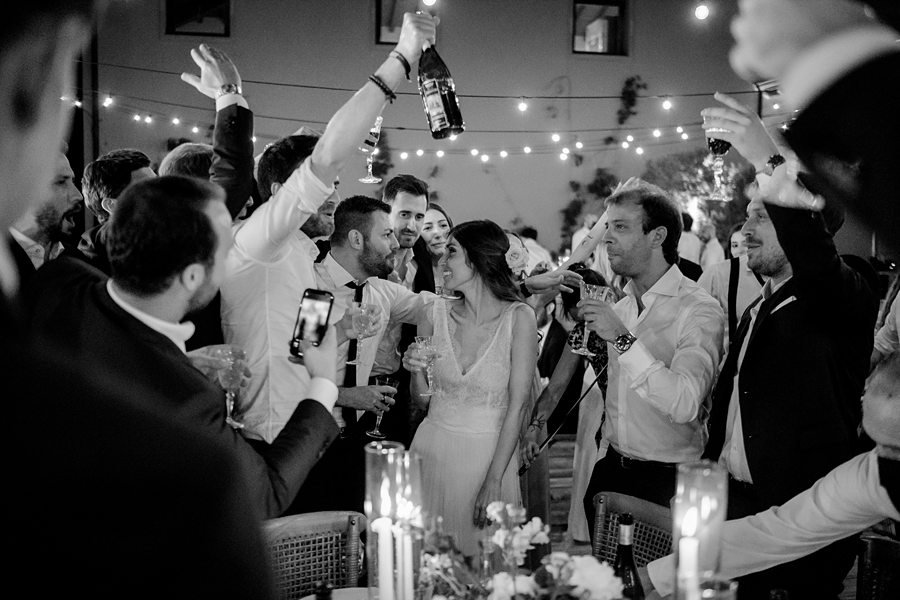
x,y
349,414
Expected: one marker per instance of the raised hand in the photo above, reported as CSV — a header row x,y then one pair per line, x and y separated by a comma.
x,y
560,280
737,124
417,33
216,70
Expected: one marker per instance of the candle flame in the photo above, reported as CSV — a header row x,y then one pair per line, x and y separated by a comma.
x,y
385,507
689,522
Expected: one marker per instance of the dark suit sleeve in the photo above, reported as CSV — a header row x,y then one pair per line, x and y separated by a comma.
x,y
232,165
277,471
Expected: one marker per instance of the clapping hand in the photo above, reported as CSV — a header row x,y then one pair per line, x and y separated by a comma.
x,y
216,70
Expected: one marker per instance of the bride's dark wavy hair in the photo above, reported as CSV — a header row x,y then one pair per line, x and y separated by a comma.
x,y
486,245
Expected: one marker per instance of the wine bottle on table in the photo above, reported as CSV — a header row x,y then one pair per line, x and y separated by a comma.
x,y
439,96
624,566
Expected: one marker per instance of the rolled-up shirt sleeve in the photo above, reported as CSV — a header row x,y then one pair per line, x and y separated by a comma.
x,y
324,391
680,389
264,233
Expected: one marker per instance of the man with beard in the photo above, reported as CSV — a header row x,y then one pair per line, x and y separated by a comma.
x,y
271,264
363,247
167,243
40,232
408,199
665,339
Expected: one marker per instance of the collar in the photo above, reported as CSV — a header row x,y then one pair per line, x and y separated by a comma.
x,y
178,333
308,244
769,288
818,67
667,285
23,239
339,275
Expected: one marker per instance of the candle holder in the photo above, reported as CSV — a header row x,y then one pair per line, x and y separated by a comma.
x,y
698,511
384,481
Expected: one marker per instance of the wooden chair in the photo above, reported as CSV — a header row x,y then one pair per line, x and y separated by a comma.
x,y
309,548
652,527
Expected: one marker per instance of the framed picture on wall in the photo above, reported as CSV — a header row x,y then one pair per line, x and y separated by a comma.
x,y
600,27
198,17
389,18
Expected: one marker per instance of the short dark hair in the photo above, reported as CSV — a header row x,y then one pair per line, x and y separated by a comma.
x,y
280,160
588,275
158,229
404,183
354,213
528,232
191,160
108,176
659,211
486,245
687,221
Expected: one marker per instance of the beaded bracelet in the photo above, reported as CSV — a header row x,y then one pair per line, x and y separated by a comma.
x,y
403,61
384,88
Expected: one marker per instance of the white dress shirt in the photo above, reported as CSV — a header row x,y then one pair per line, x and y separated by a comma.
x,y
690,247
657,396
178,333
734,455
845,501
267,271
388,357
397,304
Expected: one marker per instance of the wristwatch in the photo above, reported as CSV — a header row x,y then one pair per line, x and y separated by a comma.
x,y
228,88
623,342
776,160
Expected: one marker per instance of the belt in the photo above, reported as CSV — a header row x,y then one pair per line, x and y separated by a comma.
x,y
636,463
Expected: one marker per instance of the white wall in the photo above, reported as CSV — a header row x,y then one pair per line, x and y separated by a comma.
x,y
497,47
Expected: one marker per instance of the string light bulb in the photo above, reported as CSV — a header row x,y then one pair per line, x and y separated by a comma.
x,y
148,119
77,104
565,150
176,121
625,145
453,137
195,129
629,138
579,145
420,152
701,11
404,155
439,153
776,106
679,129
563,156
473,152
429,2
684,136
555,137
667,104
639,150
253,139
136,117
504,154
527,149
657,133
375,151
485,158
107,102
523,106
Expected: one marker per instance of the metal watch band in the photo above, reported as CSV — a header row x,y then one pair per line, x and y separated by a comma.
x,y
228,88
624,342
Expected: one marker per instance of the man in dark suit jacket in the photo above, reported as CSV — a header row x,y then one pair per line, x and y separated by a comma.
x,y
136,503
167,243
786,407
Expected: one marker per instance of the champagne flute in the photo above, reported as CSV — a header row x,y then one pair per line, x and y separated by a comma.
x,y
369,148
230,378
588,290
375,433
365,319
718,148
426,344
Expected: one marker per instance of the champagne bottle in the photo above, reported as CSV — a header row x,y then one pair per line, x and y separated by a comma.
x,y
439,96
624,566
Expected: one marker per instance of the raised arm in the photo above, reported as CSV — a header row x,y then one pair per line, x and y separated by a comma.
x,y
523,361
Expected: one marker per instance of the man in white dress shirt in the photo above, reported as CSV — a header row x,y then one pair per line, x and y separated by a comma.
x,y
664,339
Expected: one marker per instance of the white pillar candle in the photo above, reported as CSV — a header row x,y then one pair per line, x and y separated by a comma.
x,y
403,541
382,527
688,568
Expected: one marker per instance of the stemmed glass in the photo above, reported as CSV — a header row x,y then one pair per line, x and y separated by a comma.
x,y
365,318
230,378
718,149
370,150
425,343
375,433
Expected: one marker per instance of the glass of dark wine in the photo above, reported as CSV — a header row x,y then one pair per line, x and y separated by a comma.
x,y
718,148
370,149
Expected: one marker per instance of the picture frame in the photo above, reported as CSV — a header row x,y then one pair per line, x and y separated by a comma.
x,y
600,27
206,18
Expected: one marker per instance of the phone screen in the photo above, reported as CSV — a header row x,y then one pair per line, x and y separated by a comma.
x,y
312,322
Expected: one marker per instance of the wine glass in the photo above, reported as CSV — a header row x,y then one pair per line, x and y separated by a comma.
x,y
718,148
365,318
230,378
426,344
375,433
369,148
589,290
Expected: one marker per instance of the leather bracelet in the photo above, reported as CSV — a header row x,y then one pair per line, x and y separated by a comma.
x,y
396,54
391,96
228,88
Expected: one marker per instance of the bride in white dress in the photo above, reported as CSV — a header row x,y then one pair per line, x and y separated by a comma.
x,y
486,342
